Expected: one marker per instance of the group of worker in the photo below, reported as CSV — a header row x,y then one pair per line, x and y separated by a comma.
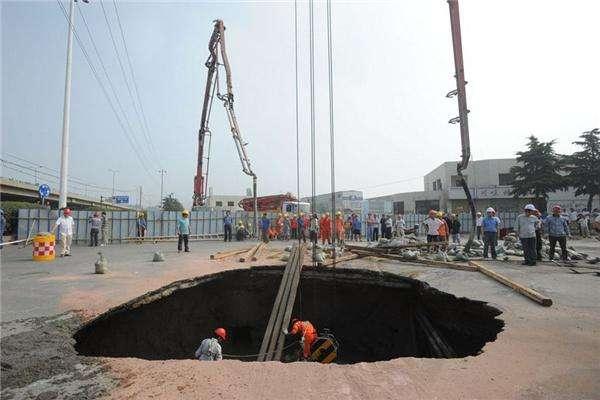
x,y
65,225
303,226
440,226
211,349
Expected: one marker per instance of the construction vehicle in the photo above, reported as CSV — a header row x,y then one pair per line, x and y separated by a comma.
x,y
280,203
216,47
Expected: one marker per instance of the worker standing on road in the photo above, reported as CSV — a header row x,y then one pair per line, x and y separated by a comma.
x,y
265,224
96,224
227,225
400,226
525,228
478,222
432,223
307,332
286,227
356,228
490,226
210,348
325,229
558,229
294,227
301,227
66,226
455,228
313,229
339,228
183,231
104,229
141,227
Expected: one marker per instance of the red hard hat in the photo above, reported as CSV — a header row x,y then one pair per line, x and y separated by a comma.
x,y
556,207
67,211
294,320
221,332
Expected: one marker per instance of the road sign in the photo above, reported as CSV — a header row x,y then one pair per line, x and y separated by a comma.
x,y
44,190
120,199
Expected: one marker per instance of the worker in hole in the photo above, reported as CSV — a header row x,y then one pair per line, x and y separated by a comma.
x,y
183,231
210,348
307,332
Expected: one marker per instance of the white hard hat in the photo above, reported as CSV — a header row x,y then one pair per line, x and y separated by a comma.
x,y
529,207
490,210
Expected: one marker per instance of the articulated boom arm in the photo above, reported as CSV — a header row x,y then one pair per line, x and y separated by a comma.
x,y
216,45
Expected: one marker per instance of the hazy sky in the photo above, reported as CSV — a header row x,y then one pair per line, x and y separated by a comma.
x,y
532,68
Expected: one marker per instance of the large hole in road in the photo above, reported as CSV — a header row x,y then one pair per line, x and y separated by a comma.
x,y
374,315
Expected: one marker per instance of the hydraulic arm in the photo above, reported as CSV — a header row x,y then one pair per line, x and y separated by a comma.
x,y
216,47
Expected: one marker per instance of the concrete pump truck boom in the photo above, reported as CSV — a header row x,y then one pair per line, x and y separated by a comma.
x,y
216,45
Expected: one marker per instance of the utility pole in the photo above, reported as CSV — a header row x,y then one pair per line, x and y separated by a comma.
x,y
114,172
162,173
64,153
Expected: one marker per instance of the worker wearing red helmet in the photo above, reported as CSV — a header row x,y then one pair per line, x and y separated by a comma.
x,y
308,334
65,225
210,348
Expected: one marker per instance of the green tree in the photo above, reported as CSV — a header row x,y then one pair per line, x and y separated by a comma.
x,y
538,172
584,166
170,203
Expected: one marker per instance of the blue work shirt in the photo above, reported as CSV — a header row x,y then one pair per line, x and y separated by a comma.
x,y
183,226
265,223
490,224
300,223
356,224
228,220
556,226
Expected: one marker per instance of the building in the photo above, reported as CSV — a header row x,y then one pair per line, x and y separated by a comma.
x,y
489,183
347,201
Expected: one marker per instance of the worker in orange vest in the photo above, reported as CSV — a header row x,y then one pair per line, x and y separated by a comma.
x,y
308,334
325,228
339,227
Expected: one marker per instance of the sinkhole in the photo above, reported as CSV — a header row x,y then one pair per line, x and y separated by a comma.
x,y
374,315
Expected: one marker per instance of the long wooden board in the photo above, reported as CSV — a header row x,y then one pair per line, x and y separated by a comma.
x,y
427,263
224,254
517,287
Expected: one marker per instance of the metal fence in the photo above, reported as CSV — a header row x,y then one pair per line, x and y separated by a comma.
x,y
122,224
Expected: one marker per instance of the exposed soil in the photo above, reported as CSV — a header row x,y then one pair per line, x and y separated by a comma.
x,y
39,361
375,316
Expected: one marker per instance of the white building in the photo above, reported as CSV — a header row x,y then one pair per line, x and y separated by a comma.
x,y
346,200
489,183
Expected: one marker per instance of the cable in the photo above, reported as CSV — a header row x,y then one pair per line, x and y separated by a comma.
x,y
312,120
259,354
297,109
114,43
135,87
331,130
95,74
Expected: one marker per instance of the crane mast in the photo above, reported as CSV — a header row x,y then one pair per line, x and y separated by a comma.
x,y
216,47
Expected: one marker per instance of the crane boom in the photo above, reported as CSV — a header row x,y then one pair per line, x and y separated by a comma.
x,y
216,45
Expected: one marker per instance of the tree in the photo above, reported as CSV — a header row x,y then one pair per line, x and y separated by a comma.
x,y
584,166
170,203
538,172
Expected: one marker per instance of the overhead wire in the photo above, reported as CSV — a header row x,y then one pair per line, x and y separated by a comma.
x,y
297,108
331,127
145,129
312,120
125,79
104,91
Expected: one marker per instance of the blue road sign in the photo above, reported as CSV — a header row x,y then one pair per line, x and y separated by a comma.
x,y
121,199
44,190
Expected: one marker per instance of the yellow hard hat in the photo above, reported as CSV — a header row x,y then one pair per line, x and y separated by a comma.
x,y
185,212
439,214
338,213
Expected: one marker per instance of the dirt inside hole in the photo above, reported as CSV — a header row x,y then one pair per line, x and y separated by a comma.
x,y
374,315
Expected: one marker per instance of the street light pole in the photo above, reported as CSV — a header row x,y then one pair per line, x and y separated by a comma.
x,y
162,173
114,172
64,154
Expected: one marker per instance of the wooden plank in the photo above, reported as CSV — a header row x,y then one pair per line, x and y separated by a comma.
x,y
517,287
425,262
278,325
261,247
224,254
275,310
341,259
297,269
248,255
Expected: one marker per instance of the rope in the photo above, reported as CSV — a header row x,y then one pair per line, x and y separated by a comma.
x,y
258,354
